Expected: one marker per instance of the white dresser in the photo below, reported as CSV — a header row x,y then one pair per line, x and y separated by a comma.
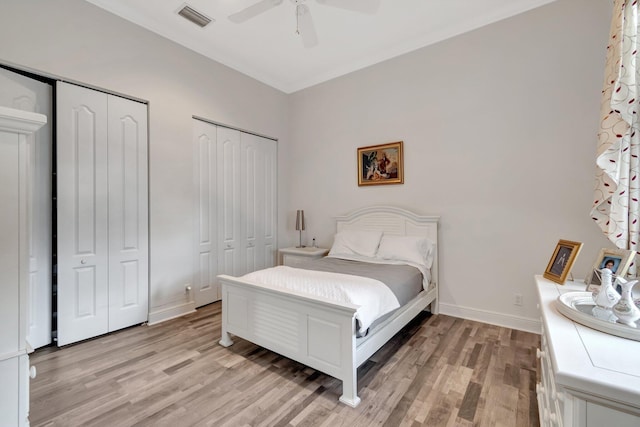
x,y
588,378
15,125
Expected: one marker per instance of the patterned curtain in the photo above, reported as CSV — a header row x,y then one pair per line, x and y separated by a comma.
x,y
615,207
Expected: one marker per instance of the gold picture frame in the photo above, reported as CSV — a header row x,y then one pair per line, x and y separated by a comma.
x,y
381,164
619,261
562,260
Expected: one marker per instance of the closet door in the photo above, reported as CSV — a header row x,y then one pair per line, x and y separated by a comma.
x,y
269,153
128,213
235,227
83,298
252,204
229,209
258,202
205,287
102,213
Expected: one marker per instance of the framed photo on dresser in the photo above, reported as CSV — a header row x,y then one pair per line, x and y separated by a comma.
x,y
562,260
616,260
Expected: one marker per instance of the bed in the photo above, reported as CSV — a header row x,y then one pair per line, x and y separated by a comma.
x,y
319,332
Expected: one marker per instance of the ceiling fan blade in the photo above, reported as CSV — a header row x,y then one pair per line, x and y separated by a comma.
x,y
306,29
253,10
364,6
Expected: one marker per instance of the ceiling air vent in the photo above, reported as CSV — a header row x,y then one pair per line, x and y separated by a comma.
x,y
189,13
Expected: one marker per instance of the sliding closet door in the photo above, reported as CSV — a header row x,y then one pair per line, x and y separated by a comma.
x,y
128,213
235,227
252,202
83,299
229,209
269,150
204,286
102,200
258,201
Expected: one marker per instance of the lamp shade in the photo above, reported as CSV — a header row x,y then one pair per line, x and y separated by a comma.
x,y
300,219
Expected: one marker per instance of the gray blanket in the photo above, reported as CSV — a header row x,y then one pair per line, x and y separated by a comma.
x,y
404,281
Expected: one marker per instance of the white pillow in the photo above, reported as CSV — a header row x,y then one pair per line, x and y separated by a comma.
x,y
356,242
414,249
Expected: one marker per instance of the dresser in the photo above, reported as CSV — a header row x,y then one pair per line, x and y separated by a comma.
x,y
587,377
15,125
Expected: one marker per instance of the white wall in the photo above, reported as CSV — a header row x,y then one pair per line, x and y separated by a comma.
x,y
499,129
78,41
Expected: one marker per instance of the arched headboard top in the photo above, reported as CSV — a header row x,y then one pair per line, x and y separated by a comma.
x,y
396,221
391,220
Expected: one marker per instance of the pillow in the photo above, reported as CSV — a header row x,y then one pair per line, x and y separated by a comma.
x,y
356,242
415,249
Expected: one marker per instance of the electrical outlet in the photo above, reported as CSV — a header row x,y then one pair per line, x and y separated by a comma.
x,y
517,299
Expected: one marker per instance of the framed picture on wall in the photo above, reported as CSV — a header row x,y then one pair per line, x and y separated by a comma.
x,y
616,260
381,164
562,260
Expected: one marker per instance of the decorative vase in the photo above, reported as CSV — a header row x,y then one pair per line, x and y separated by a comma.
x,y
625,309
607,296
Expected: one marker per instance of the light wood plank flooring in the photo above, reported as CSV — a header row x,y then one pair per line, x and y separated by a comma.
x,y
438,371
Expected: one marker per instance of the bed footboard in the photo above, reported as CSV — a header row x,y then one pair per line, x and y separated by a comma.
x,y
313,331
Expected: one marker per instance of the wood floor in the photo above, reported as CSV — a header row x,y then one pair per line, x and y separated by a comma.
x,y
438,371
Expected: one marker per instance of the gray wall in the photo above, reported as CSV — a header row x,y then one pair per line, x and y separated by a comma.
x,y
499,129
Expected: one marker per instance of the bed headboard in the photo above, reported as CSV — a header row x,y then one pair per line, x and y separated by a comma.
x,y
393,220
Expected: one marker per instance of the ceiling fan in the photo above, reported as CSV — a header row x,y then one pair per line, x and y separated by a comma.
x,y
304,22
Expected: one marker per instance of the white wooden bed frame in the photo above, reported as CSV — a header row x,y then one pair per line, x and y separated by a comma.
x,y
318,332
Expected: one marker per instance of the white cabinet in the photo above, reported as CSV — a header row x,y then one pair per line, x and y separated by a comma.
x,y
236,229
15,125
102,213
23,93
587,378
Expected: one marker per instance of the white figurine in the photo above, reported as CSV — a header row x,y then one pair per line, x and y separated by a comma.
x,y
607,296
626,310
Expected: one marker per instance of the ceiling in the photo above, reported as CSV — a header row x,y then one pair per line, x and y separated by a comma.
x,y
268,49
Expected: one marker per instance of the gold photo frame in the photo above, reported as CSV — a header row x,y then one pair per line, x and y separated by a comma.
x,y
381,164
617,260
562,260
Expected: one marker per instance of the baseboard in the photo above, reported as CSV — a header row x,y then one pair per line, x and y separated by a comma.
x,y
171,312
500,319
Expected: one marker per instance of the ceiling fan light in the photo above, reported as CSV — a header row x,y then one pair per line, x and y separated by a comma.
x,y
192,15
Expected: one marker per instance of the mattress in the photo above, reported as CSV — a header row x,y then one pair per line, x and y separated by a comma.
x,y
404,281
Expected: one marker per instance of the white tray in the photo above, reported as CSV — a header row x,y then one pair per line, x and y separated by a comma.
x,y
579,307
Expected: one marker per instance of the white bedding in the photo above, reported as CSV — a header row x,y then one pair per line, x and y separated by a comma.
x,y
373,297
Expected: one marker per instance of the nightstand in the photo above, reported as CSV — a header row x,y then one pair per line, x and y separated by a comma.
x,y
295,256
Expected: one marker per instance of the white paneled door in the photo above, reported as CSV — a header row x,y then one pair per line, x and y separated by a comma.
x,y
235,180
258,191
128,213
229,209
102,213
83,295
204,284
